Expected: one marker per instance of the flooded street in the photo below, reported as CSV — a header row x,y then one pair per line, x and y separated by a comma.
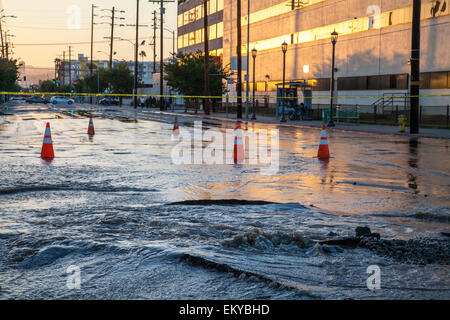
x,y
118,208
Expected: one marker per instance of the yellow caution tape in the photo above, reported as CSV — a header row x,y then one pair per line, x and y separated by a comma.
x,y
129,95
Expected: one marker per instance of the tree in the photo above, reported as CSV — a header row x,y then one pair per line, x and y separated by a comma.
x,y
48,86
185,74
9,73
120,79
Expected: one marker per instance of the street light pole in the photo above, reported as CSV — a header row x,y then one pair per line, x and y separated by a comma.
x,y
248,57
415,68
284,49
206,58
254,53
334,36
239,62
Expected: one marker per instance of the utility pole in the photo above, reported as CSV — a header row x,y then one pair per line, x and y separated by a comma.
x,y
112,38
206,40
136,55
70,68
415,68
136,64
64,68
91,69
154,41
92,41
1,35
113,24
239,62
161,67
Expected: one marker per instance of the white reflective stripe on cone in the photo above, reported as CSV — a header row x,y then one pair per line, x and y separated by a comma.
x,y
324,134
322,142
48,140
47,132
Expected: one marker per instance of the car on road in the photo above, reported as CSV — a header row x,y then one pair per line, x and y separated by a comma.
x,y
109,101
56,100
18,98
37,99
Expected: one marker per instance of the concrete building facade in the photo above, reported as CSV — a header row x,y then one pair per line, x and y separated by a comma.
x,y
191,26
372,50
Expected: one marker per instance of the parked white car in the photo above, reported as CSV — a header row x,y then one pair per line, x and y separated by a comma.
x,y
56,100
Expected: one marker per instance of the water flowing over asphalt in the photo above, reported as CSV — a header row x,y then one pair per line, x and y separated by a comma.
x,y
140,227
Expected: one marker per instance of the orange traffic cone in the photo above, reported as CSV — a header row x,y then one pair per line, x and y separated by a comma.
x,y
47,147
176,129
238,146
324,152
91,130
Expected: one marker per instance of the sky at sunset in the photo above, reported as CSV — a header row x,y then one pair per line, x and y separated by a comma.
x,y
44,29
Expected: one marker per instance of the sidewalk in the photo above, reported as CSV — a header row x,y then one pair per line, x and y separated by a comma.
x,y
367,128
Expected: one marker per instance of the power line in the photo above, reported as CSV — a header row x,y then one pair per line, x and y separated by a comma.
x,y
72,43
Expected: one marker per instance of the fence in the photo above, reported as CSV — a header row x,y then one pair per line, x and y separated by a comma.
x,y
430,116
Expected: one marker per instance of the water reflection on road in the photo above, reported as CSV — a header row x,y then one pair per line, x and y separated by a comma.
x,y
101,204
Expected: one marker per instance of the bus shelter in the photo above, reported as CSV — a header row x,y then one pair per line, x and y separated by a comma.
x,y
290,98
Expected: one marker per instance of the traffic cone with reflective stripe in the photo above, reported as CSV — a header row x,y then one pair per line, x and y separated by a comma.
x,y
324,152
91,130
176,129
238,146
47,147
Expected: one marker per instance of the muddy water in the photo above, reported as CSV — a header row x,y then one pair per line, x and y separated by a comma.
x,y
103,205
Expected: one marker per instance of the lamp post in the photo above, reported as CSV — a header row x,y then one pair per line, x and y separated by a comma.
x,y
136,71
173,40
334,36
254,53
284,48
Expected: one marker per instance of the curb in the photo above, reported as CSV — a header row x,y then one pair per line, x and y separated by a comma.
x,y
295,125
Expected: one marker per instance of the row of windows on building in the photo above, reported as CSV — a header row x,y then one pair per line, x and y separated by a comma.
x,y
428,80
197,36
382,20
277,10
197,13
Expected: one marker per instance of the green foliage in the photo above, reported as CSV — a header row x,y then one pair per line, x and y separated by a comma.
x,y
186,75
119,79
48,86
9,73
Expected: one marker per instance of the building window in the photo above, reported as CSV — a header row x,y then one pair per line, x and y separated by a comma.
x,y
220,30
212,32
212,6
198,36
438,80
191,38
219,5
